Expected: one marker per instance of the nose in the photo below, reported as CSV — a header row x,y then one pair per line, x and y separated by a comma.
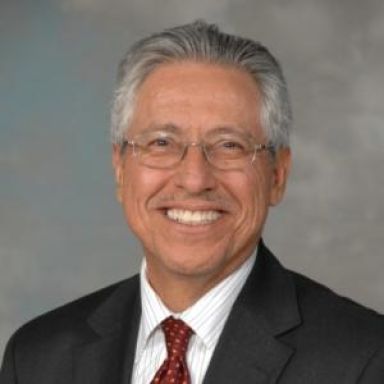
x,y
194,173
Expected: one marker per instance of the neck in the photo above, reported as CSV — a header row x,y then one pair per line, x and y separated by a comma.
x,y
180,291
178,294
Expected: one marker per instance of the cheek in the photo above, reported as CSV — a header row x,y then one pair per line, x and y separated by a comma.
x,y
139,183
139,186
256,187
253,194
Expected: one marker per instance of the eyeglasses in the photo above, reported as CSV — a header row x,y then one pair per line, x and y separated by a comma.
x,y
164,150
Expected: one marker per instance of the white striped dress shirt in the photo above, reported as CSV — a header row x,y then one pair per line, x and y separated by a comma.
x,y
206,317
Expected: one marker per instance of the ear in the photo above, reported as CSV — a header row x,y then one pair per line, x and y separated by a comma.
x,y
280,171
118,167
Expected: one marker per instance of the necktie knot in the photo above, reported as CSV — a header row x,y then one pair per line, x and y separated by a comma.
x,y
177,335
174,369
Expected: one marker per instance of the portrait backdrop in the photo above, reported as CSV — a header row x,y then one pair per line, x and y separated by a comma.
x,y
62,233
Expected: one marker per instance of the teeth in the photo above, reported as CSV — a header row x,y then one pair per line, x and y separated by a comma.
x,y
192,217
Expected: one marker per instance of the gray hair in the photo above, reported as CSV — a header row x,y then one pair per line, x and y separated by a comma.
x,y
199,41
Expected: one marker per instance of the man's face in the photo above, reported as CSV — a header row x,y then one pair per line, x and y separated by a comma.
x,y
195,222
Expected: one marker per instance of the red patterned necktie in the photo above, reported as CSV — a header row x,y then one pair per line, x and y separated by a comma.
x,y
174,369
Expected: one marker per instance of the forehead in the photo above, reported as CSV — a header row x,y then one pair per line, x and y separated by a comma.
x,y
197,96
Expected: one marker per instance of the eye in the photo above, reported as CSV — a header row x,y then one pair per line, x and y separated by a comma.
x,y
160,144
230,146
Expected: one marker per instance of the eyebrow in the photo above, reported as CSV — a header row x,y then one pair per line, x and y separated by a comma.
x,y
229,130
173,128
168,127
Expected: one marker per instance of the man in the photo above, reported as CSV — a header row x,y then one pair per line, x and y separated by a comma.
x,y
200,132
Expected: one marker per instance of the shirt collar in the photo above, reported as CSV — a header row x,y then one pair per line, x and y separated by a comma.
x,y
206,316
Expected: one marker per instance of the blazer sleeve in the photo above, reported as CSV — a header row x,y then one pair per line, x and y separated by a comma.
x,y
7,371
374,370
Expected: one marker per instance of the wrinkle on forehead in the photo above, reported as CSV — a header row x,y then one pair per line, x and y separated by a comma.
x,y
186,94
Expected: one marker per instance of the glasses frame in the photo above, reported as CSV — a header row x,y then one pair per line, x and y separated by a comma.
x,y
257,148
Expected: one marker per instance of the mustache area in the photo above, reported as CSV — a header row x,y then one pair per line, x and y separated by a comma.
x,y
203,201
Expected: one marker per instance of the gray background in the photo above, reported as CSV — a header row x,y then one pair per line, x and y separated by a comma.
x,y
62,233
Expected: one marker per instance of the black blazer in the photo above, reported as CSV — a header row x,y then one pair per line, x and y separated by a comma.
x,y
283,328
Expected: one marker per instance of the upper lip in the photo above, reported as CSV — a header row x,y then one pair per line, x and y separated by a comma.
x,y
189,205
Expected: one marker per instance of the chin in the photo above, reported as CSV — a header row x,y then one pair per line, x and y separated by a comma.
x,y
194,261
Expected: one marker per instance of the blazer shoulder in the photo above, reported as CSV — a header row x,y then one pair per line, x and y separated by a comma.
x,y
70,320
336,315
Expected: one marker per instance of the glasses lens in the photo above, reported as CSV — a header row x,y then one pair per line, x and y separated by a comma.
x,y
228,152
159,150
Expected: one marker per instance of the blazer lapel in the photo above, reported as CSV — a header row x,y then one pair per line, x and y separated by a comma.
x,y
249,350
107,355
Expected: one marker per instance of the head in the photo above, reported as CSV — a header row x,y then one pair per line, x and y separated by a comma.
x,y
196,221
202,42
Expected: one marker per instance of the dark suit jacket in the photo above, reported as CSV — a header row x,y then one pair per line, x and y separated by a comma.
x,y
284,328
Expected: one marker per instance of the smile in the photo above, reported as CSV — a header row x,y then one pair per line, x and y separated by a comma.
x,y
193,217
